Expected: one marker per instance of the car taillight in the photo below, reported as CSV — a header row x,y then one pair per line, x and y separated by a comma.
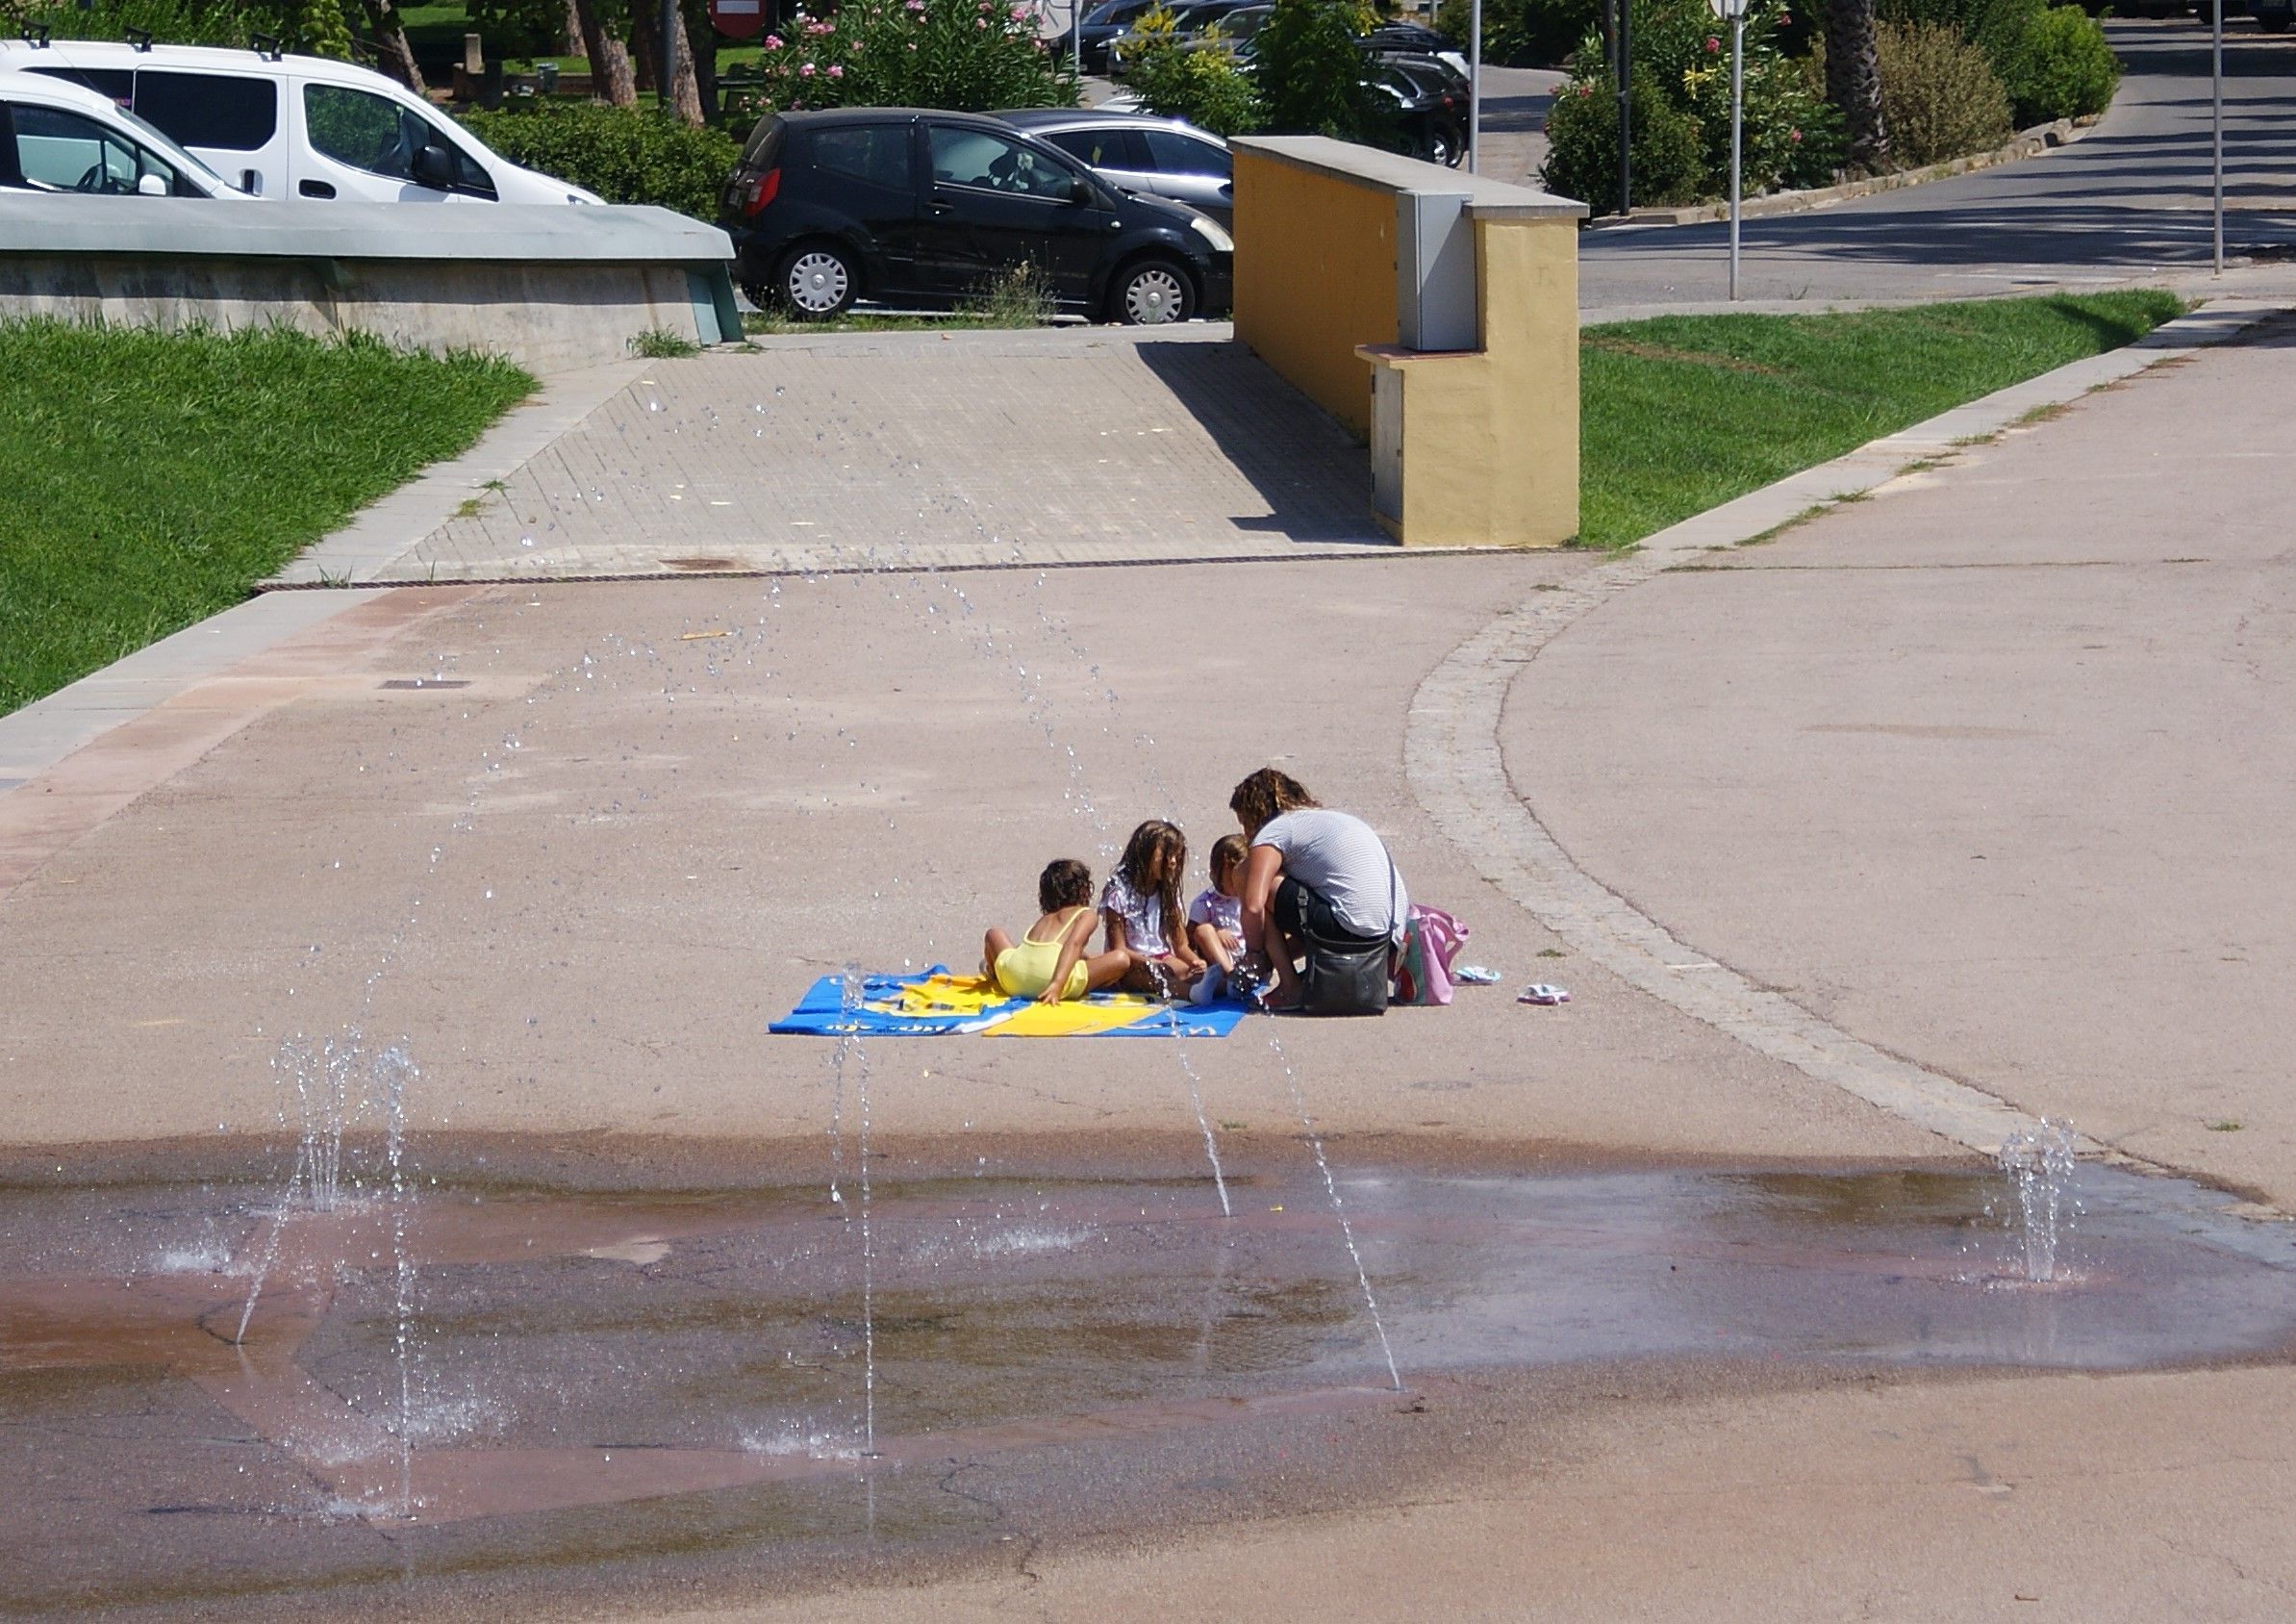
x,y
763,189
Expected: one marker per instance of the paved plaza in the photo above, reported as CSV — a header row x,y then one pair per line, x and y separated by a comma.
x,y
1942,812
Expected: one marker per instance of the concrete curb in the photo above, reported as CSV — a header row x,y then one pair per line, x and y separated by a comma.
x,y
1454,764
388,528
2028,143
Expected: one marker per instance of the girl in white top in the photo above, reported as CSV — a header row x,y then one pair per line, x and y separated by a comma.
x,y
1142,905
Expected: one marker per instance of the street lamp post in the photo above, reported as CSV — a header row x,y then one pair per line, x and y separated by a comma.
x,y
1733,13
1474,89
2216,135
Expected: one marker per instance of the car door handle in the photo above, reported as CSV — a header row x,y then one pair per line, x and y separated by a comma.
x,y
315,189
940,205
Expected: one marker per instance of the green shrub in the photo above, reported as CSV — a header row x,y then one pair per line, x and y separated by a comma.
x,y
173,23
1940,95
1583,158
1311,73
1682,67
621,153
2051,59
1209,89
969,55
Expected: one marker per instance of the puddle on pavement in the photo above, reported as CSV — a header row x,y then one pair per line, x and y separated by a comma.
x,y
580,1375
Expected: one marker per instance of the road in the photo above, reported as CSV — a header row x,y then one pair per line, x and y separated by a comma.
x,y
2130,199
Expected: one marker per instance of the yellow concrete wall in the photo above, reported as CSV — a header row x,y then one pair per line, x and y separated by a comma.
x,y
1491,438
1315,279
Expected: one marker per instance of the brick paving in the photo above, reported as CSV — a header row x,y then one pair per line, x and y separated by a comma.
x,y
1067,446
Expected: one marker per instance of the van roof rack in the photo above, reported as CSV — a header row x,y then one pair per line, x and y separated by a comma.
x,y
266,45
138,37
36,35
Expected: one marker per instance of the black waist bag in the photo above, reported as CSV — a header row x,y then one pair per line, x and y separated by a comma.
x,y
1345,975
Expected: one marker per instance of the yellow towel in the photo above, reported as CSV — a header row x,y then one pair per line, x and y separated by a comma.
x,y
1073,1020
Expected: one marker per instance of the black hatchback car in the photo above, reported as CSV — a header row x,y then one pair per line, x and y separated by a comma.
x,y
906,207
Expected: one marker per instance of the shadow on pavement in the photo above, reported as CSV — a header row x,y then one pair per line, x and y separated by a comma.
x,y
1314,476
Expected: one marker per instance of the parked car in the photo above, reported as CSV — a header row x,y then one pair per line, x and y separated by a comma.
x,y
1235,32
63,138
1415,40
1430,109
1189,18
1140,152
286,126
1091,37
905,206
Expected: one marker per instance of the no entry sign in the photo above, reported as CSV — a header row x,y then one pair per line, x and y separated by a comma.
x,y
737,19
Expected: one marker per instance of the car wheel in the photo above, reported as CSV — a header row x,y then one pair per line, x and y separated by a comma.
x,y
818,280
1150,293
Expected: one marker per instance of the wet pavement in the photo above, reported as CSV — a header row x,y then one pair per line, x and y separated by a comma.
x,y
481,1378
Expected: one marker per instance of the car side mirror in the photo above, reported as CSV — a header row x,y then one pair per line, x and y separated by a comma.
x,y
150,186
1079,190
433,167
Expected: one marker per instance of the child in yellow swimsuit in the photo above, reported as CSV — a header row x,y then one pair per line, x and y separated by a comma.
x,y
1049,963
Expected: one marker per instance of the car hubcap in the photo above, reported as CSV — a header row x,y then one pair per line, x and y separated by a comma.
x,y
818,283
1153,298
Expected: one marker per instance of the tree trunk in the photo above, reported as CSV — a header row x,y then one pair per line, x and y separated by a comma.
x,y
683,90
645,45
1854,80
705,58
397,57
609,58
573,40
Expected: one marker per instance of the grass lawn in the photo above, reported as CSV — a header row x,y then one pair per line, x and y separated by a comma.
x,y
154,477
1681,414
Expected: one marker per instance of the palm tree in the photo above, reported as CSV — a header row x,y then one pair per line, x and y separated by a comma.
x,y
1854,80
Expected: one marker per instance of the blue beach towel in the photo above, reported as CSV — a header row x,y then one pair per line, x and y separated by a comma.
x,y
934,1003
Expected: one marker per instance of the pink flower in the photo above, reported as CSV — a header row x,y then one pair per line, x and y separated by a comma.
x,y
818,27
1794,136
836,70
1019,13
1712,44
980,22
772,42
805,72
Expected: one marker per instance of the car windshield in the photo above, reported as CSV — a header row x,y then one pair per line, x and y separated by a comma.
x,y
164,145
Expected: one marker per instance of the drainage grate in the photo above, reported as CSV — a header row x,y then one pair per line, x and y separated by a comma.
x,y
404,682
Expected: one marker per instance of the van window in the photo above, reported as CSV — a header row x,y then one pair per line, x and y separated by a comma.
x,y
61,151
877,154
375,134
219,109
118,83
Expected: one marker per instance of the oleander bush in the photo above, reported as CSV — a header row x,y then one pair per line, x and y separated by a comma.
x,y
1792,138
969,55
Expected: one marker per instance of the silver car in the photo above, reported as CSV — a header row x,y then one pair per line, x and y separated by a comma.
x,y
1141,152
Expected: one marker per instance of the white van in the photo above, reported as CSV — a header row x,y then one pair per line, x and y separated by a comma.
x,y
56,137
282,126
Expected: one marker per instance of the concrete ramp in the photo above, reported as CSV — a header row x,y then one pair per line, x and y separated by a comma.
x,y
900,449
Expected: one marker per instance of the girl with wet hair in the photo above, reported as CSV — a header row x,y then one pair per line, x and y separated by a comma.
x,y
1309,870
1142,905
